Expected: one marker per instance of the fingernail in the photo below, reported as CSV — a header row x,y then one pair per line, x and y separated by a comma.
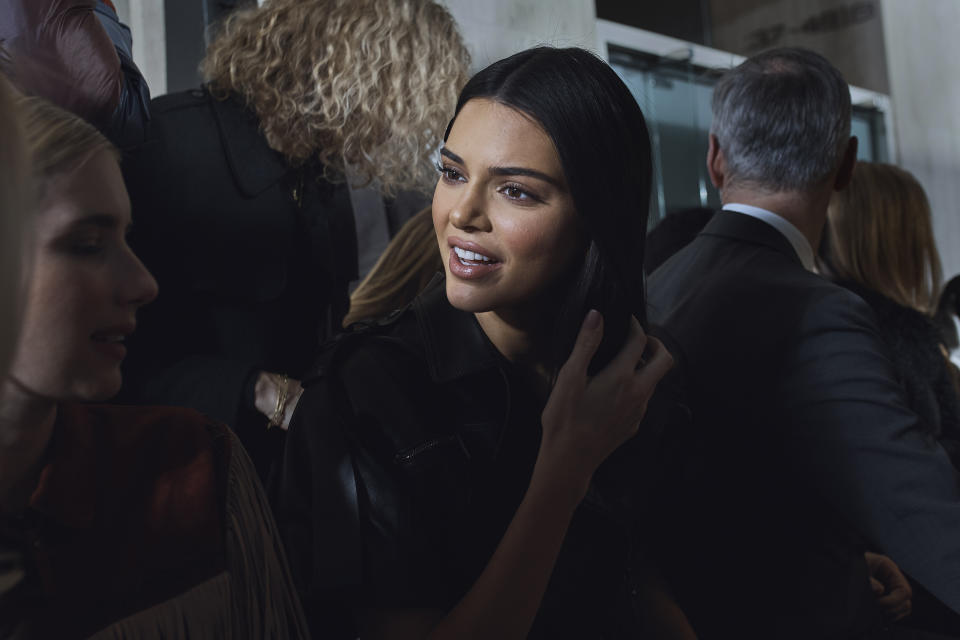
x,y
592,320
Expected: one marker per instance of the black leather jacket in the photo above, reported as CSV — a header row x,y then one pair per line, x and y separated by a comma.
x,y
409,453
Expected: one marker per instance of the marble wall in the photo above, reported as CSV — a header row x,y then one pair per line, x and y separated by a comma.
x,y
494,29
146,21
922,56
847,32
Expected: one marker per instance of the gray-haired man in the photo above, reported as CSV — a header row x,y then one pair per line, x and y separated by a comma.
x,y
803,453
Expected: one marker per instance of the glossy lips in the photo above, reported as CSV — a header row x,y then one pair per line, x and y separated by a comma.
x,y
470,261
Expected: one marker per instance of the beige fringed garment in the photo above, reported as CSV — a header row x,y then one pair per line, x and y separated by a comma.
x,y
253,598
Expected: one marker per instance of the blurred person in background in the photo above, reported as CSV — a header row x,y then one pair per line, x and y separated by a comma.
x,y
78,55
802,441
880,245
240,202
406,266
673,233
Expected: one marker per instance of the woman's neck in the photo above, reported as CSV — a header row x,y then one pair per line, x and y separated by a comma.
x,y
26,426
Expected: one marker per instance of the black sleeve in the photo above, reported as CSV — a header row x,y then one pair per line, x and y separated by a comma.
x,y
354,520
314,498
853,439
175,355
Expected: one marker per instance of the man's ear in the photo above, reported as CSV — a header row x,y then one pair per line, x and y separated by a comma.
x,y
849,161
716,163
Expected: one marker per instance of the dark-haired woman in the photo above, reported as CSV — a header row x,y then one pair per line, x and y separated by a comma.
x,y
445,474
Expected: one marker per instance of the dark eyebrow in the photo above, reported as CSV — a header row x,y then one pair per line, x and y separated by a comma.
x,y
508,171
521,171
450,154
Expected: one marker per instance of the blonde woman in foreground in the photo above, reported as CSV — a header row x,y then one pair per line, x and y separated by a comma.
x,y
13,212
129,522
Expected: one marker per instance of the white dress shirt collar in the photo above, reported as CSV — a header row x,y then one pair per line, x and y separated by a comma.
x,y
793,235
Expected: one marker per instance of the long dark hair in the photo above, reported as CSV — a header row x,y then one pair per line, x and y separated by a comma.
x,y
604,148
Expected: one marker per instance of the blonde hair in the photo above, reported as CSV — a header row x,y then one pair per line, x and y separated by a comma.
x,y
368,82
37,142
58,140
14,206
881,236
406,266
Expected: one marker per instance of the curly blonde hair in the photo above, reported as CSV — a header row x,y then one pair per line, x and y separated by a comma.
x,y
371,83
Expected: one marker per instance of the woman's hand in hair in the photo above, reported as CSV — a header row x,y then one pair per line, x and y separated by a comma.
x,y
587,418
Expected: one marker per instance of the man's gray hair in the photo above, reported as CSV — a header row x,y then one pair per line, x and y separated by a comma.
x,y
782,119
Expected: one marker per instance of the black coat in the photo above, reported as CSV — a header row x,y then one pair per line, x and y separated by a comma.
x,y
408,455
804,451
915,346
252,256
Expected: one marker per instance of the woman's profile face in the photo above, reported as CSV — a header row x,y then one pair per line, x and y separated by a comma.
x,y
84,289
504,217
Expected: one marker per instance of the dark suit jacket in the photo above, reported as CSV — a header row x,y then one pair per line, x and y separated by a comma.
x,y
802,453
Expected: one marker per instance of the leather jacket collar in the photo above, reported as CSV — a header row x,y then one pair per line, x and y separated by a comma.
x,y
455,345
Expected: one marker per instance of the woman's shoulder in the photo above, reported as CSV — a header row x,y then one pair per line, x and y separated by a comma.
x,y
134,426
388,349
168,434
182,121
135,498
889,312
175,504
412,357
370,382
175,459
403,346
396,383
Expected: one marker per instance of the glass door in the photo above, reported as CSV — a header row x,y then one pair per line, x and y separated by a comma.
x,y
675,95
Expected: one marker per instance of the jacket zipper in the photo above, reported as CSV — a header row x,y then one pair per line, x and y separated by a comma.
x,y
407,455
